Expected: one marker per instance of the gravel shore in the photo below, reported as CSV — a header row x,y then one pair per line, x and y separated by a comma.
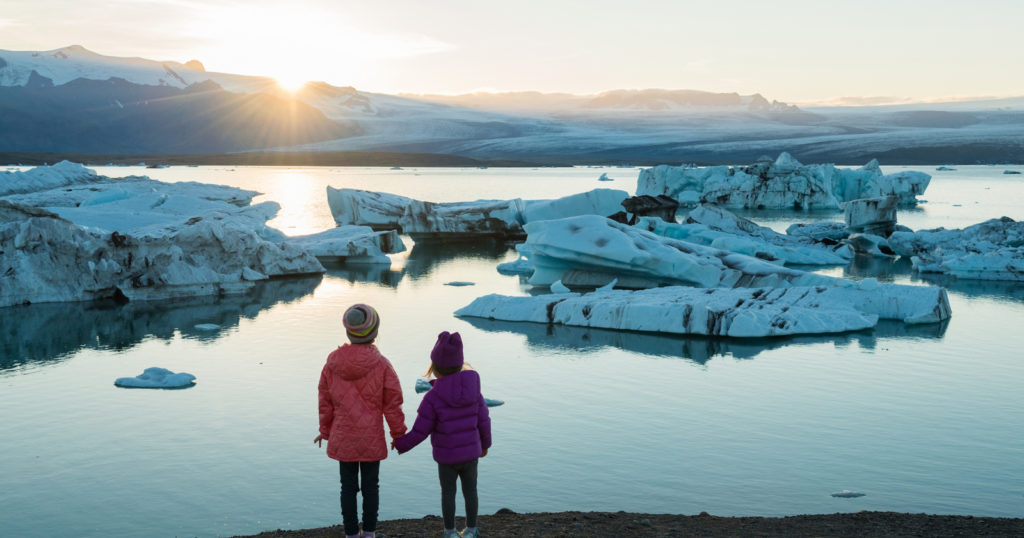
x,y
508,524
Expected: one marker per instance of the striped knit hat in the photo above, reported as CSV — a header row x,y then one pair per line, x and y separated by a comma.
x,y
361,323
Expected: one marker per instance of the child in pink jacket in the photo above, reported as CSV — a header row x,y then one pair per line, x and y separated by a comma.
x,y
358,386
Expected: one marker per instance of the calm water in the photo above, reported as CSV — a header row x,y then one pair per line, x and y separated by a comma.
x,y
920,419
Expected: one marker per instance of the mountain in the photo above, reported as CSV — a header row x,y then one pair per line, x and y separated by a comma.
x,y
75,100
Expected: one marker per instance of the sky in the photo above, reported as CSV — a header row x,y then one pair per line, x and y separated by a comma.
x,y
789,50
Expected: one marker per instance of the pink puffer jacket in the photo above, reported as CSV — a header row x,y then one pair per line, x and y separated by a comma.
x,y
357,387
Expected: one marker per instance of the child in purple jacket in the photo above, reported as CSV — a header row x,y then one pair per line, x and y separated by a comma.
x,y
454,415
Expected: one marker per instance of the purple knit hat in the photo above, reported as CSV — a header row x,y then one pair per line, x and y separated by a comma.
x,y
447,352
361,323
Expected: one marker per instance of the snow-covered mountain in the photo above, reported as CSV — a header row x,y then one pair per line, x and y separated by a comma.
x,y
53,101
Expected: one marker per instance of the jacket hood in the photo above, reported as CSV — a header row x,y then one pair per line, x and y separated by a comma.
x,y
458,390
354,361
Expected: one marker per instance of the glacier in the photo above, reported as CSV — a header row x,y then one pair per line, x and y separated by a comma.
x,y
784,183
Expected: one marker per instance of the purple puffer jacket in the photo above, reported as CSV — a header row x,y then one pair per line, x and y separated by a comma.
x,y
455,417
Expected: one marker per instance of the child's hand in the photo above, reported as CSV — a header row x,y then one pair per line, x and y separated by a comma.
x,y
318,439
483,453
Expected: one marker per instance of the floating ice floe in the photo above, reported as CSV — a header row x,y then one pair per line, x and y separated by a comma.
x,y
782,184
713,226
733,312
520,266
157,378
206,327
991,250
604,177
847,494
459,283
462,220
1014,172
351,244
945,169
870,244
591,251
819,231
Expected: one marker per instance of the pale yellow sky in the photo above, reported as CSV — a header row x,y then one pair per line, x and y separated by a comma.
x,y
796,51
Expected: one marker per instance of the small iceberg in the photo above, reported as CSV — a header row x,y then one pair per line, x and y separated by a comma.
x,y
942,169
558,287
458,283
423,385
207,327
604,177
847,494
1011,172
157,378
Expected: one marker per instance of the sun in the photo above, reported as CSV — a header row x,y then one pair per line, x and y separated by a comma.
x,y
290,84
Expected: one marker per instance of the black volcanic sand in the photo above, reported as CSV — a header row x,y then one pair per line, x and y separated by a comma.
x,y
509,524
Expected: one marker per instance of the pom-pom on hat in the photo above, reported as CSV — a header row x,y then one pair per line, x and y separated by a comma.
x,y
447,352
361,323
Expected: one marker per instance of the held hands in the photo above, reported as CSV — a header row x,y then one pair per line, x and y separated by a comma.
x,y
318,439
393,442
483,453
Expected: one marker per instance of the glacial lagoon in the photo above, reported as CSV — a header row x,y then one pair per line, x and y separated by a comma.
x,y
918,418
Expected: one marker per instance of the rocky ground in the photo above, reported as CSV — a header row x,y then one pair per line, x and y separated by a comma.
x,y
507,523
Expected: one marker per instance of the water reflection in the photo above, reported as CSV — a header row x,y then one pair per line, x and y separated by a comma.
x,y
425,257
998,290
695,348
372,274
883,268
48,332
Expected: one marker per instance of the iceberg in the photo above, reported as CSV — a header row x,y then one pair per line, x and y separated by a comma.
x,y
732,312
50,259
738,313
991,250
503,219
591,251
157,378
782,184
1011,172
820,231
378,210
847,494
46,177
604,177
871,215
351,244
713,226
423,385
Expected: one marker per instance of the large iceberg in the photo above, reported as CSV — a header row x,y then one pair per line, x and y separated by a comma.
x,y
733,312
871,215
592,251
47,258
991,250
713,226
503,219
45,177
782,184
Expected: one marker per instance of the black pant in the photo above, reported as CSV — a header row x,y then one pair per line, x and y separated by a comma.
x,y
350,472
466,472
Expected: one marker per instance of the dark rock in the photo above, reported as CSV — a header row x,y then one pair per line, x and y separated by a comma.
x,y
504,511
